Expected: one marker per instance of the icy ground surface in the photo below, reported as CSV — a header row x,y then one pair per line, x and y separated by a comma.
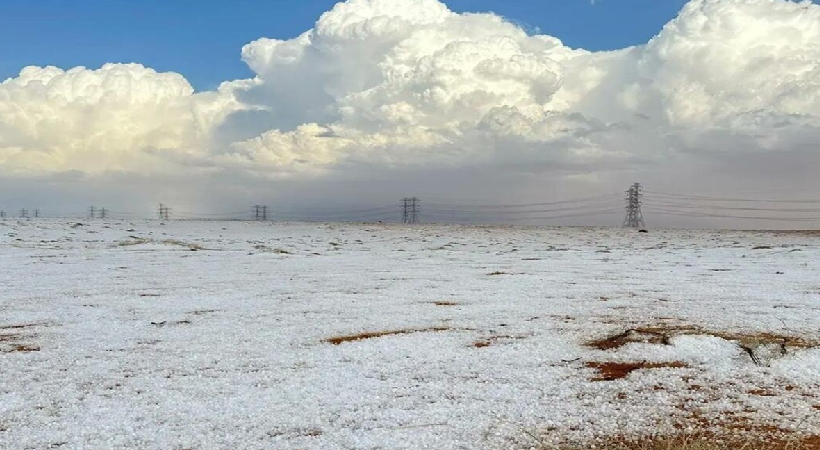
x,y
116,335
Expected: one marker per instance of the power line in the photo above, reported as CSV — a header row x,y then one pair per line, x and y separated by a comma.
x,y
186,214
523,205
338,210
669,212
603,212
727,208
517,212
383,211
727,199
385,216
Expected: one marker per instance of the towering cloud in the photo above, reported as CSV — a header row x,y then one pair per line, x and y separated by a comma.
x,y
119,118
394,84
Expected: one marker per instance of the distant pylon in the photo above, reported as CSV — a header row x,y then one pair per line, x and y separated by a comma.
x,y
260,212
24,213
92,212
164,212
634,216
2,214
410,209
103,213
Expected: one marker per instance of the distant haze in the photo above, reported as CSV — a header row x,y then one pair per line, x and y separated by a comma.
x,y
385,99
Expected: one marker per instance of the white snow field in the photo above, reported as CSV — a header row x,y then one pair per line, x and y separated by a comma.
x,y
116,335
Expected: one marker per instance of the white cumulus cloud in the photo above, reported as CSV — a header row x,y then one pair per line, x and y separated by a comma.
x,y
392,84
119,118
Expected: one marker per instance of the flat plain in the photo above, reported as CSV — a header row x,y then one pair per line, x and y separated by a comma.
x,y
260,335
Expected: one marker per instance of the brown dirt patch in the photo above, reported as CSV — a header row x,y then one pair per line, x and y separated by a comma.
x,y
336,340
633,335
706,441
486,342
15,342
732,431
202,312
761,393
609,371
22,348
445,303
662,335
20,327
794,232
174,322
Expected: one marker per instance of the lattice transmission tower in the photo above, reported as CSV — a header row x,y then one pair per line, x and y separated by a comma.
x,y
260,212
164,212
410,209
634,216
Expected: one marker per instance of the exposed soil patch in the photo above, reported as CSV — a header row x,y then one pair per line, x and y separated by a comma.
x,y
265,248
189,245
762,393
609,371
663,334
16,342
296,432
766,338
794,232
481,343
202,312
636,335
174,322
445,303
376,334
20,327
21,348
133,241
757,440
496,273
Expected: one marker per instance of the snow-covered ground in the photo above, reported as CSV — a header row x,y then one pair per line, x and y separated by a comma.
x,y
116,335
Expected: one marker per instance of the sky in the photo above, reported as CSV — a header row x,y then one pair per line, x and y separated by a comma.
x,y
201,38
320,109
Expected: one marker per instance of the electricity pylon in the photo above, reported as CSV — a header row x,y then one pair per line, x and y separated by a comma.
x,y
634,216
410,209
